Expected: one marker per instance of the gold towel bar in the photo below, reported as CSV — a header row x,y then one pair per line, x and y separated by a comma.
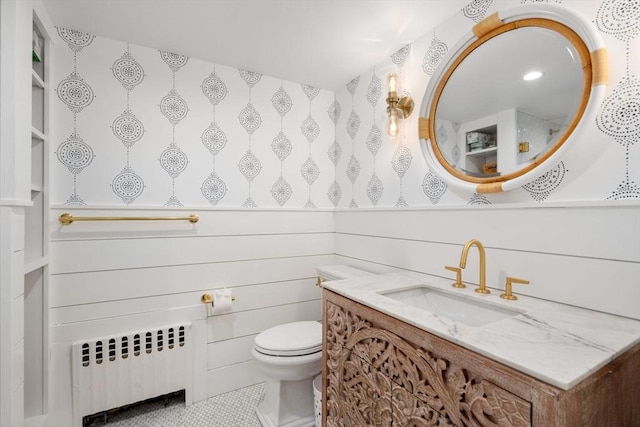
x,y
67,218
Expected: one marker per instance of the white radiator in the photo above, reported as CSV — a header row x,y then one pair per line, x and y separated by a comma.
x,y
113,371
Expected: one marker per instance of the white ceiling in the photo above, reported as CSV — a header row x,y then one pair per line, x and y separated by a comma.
x,y
324,43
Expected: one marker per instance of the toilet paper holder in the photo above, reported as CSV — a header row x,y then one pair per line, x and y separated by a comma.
x,y
208,299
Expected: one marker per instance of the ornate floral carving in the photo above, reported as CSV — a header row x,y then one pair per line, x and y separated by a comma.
x,y
377,378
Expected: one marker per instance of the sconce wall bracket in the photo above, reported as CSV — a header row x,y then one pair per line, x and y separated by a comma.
x,y
404,104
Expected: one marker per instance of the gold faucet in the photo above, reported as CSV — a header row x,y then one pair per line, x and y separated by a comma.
x,y
483,263
508,292
458,283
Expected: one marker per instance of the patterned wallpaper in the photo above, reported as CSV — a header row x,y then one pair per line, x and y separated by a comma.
x,y
141,127
605,165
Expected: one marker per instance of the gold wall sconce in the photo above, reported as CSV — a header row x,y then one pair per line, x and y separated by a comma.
x,y
523,147
397,108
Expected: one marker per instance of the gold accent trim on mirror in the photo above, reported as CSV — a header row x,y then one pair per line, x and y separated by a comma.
x,y
492,187
423,127
487,25
493,184
600,66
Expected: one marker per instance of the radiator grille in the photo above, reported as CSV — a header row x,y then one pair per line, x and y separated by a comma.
x,y
113,371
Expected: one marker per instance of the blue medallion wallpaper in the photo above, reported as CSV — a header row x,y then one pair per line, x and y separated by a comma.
x,y
146,127
139,126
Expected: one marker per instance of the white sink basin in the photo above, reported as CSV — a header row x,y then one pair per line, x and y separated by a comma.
x,y
461,309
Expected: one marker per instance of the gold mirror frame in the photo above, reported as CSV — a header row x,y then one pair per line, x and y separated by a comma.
x,y
594,67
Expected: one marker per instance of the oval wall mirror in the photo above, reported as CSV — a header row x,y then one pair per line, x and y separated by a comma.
x,y
504,105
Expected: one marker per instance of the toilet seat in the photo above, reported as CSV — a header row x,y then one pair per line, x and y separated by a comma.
x,y
290,339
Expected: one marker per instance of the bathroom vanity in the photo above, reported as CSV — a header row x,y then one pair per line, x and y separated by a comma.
x,y
390,358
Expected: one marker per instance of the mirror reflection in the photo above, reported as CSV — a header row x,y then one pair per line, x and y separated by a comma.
x,y
493,117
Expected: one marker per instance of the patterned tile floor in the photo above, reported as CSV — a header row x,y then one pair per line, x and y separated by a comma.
x,y
233,409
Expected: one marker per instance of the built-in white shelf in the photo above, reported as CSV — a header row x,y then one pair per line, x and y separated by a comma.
x,y
35,133
34,264
36,245
483,152
36,80
37,421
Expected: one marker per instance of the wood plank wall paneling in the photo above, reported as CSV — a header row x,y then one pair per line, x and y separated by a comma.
x,y
223,353
598,231
80,256
248,297
230,338
113,277
109,278
587,256
218,222
229,326
222,380
118,285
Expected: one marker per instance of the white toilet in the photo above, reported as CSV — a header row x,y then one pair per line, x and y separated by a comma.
x,y
290,356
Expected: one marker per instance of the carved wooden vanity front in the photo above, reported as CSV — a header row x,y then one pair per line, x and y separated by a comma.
x,y
379,371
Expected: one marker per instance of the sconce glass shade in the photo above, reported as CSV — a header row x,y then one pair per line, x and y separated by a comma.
x,y
394,123
397,108
392,80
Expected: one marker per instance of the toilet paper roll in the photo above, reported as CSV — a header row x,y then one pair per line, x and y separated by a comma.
x,y
220,302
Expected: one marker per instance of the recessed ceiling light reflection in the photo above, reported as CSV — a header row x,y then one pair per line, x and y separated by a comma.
x,y
533,75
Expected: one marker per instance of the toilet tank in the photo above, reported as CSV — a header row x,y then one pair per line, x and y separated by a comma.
x,y
340,272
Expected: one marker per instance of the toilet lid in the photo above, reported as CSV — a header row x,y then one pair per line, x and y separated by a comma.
x,y
290,339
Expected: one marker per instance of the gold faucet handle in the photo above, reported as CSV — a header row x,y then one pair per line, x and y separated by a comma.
x,y
319,281
458,271
508,288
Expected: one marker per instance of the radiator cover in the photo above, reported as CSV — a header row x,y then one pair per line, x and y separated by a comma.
x,y
112,371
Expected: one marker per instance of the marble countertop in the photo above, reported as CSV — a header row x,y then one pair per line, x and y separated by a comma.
x,y
555,343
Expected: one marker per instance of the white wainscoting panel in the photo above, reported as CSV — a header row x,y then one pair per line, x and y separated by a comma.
x,y
228,352
225,379
145,253
586,255
112,277
228,326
